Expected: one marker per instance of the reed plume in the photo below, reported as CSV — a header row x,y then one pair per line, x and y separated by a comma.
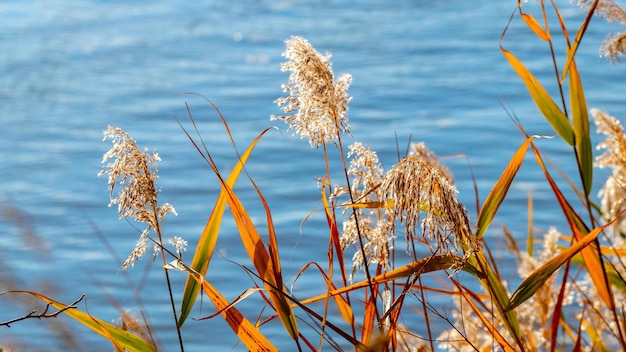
x,y
415,187
613,192
366,173
317,105
136,171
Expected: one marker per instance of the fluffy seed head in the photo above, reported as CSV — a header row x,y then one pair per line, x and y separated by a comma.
x,y
136,171
317,105
418,190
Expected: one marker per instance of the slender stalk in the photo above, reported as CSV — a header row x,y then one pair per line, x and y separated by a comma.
x,y
167,279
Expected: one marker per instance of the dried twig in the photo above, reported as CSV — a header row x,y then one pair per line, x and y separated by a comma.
x,y
42,315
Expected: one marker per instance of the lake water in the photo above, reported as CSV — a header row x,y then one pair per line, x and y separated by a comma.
x,y
423,70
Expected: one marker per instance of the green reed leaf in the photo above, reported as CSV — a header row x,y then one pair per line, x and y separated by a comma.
x,y
535,280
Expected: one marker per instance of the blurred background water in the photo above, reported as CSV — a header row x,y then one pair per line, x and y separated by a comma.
x,y
425,71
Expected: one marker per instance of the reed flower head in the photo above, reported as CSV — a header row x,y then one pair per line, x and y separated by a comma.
x,y
317,105
613,192
136,171
613,46
424,199
373,224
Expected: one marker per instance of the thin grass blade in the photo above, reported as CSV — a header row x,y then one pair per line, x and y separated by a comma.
x,y
422,266
262,262
500,189
579,36
247,333
506,346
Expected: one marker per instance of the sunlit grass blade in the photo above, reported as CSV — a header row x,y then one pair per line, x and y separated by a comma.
x,y
369,317
542,99
262,261
580,121
579,36
208,238
247,333
535,280
532,23
500,189
115,335
334,233
590,254
493,284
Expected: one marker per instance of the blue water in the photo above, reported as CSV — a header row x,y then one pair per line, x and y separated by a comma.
x,y
423,70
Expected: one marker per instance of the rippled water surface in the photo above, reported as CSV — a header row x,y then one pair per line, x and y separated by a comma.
x,y
422,70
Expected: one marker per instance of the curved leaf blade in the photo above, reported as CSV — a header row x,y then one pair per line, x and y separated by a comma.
x,y
500,189
535,280
542,99
208,238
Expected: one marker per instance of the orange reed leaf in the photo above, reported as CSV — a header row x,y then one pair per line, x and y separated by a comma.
x,y
422,266
571,52
262,261
500,189
118,337
247,333
591,254
532,23
542,99
208,238
535,280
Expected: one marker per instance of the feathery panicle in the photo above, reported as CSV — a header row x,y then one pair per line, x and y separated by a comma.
x,y
614,46
610,11
318,103
367,174
421,151
613,192
136,171
415,187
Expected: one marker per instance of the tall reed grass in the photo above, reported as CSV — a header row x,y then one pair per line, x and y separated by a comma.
x,y
399,239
